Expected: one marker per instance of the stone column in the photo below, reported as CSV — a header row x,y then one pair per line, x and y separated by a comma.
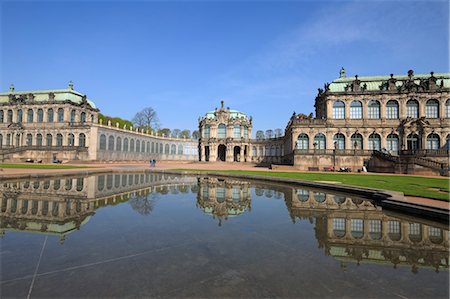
x,y
402,108
329,107
365,109
383,109
347,109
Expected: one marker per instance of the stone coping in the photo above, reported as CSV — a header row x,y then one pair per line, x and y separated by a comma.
x,y
390,200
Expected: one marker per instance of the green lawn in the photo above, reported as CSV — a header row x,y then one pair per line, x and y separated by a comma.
x,y
437,188
41,166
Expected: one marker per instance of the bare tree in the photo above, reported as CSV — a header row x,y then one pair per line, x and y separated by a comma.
x,y
259,135
269,134
195,135
146,118
142,204
176,133
185,134
278,132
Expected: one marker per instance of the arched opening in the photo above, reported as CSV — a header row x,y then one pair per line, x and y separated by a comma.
x,y
412,109
82,140
374,109
206,131
356,110
433,141
374,142
357,141
447,109
237,131
102,142
339,141
206,153
111,143
303,142
222,131
320,141
338,110
392,109
39,139
71,140
392,143
59,139
221,152
412,142
432,109
237,154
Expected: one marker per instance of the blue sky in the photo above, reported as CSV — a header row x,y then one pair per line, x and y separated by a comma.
x,y
265,58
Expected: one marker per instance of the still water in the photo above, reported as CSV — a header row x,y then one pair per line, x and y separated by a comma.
x,y
154,235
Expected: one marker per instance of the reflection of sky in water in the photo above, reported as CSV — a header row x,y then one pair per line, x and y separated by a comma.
x,y
141,235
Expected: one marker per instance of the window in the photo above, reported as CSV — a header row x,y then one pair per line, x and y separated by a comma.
x,y
302,195
357,141
374,109
375,229
72,116
50,115
180,149
245,132
118,144
153,148
1,116
339,227
206,130
131,145
71,140
339,110
10,116
374,142
173,149
357,227
254,153
40,115
59,140
237,131
392,109
412,141
447,109
19,116
49,139
302,142
82,140
166,149
339,141
392,143
222,131
320,141
432,109
356,110
30,115
39,139
103,142
29,139
60,115
433,141
83,117
412,109
138,146
125,144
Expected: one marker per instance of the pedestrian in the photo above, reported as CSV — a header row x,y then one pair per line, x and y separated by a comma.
x,y
151,163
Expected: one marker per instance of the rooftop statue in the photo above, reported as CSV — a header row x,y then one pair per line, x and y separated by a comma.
x,y
342,73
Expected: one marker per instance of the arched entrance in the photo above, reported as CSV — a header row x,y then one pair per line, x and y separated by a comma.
x,y
221,152
237,154
412,142
206,153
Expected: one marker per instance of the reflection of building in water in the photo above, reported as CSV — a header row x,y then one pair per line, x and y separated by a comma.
x,y
59,206
353,229
223,198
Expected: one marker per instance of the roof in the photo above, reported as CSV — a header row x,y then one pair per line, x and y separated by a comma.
x,y
373,82
43,95
233,114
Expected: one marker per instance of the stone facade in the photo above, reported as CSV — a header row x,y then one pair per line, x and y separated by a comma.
x,y
63,124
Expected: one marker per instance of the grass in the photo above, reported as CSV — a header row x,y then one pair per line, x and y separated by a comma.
x,y
41,166
436,188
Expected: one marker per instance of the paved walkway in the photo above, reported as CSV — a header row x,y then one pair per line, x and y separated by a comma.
x,y
12,172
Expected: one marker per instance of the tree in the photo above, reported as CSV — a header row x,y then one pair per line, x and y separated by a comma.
x,y
185,134
259,135
164,132
278,132
142,204
176,133
146,118
195,135
269,134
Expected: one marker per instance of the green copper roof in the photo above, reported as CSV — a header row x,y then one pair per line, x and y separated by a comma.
x,y
43,95
373,82
232,113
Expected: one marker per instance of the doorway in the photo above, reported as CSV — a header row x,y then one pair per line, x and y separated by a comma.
x,y
206,153
221,152
237,154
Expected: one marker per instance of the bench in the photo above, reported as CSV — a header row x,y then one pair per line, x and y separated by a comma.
x,y
313,168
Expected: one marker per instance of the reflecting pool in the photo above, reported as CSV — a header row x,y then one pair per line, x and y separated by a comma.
x,y
155,235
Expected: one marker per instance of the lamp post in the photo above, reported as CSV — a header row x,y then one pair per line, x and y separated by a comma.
x,y
334,155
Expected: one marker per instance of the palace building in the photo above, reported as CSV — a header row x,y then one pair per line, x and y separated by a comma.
x,y
395,123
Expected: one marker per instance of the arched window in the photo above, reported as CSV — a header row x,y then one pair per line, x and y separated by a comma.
x,y
254,153
83,117
339,141
447,109
72,116
30,115
153,148
374,109
148,146
103,142
92,118
356,110
161,148
338,110
10,116
222,131
166,149
320,141
2,116
432,109
118,144
40,115
143,147
245,132
412,109
19,116
206,131
138,146
49,139
125,144
392,109
111,143
50,115
180,149
412,141
374,142
173,149
237,131
39,139
71,140
60,115
433,141
59,139
357,141
131,145
82,140
29,139
392,143
303,142
447,142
